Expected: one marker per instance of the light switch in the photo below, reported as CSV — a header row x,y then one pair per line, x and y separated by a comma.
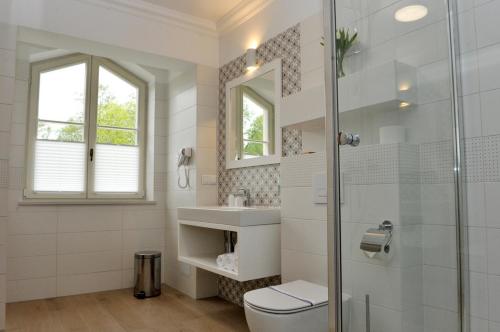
x,y
320,190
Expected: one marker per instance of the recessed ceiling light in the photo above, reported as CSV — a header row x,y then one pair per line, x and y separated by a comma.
x,y
411,13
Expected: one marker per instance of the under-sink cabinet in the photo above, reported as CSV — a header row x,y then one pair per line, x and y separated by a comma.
x,y
201,240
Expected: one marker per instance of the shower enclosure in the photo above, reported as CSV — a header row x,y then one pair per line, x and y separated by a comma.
x,y
397,212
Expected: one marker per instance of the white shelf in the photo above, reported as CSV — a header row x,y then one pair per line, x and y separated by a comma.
x,y
378,88
208,262
374,89
305,109
259,248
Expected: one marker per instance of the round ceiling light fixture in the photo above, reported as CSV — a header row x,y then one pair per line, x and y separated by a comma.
x,y
411,13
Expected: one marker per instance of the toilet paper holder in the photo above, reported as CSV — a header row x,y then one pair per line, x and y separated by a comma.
x,y
379,239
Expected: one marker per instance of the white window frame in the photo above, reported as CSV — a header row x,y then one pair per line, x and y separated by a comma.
x,y
91,95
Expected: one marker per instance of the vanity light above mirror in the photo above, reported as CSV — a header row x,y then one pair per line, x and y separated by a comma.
x,y
253,133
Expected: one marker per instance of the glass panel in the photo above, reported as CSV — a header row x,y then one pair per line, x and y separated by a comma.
x,y
59,166
116,136
394,92
117,101
116,168
62,94
60,132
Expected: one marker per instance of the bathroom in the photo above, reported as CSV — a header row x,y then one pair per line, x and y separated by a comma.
x,y
279,165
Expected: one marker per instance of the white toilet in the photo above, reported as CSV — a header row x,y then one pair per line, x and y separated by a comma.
x,y
297,306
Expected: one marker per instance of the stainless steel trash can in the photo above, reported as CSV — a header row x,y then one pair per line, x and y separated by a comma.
x,y
147,274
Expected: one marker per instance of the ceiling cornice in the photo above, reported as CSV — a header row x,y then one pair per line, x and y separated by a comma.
x,y
244,11
159,13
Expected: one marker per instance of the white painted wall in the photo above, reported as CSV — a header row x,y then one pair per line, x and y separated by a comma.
x,y
275,18
100,22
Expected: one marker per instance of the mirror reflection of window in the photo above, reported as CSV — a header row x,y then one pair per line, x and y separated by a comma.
x,y
255,118
257,128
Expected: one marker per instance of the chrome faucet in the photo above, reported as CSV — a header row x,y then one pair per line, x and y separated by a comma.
x,y
245,194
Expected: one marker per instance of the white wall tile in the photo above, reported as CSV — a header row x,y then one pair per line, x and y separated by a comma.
x,y
487,23
146,238
492,195
76,219
308,236
72,243
440,289
494,297
31,289
207,95
32,223
143,219
489,112
479,295
439,245
88,283
489,67
298,203
7,63
31,245
7,88
89,262
5,116
31,267
297,265
477,249
8,36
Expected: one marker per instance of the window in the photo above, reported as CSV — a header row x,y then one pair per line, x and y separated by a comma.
x,y
87,130
256,121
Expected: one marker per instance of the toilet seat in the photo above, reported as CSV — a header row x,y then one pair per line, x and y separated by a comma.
x,y
288,298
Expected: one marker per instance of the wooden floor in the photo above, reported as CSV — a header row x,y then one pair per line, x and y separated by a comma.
x,y
120,311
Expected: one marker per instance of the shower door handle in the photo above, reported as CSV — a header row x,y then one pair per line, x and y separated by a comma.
x,y
351,139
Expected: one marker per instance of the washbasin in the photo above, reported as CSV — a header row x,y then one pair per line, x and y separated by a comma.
x,y
229,215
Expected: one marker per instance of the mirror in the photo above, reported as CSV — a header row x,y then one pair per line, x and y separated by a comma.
x,y
253,134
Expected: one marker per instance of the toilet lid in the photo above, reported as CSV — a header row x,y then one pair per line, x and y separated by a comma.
x,y
305,291
287,298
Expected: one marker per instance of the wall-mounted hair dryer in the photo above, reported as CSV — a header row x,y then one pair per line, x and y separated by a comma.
x,y
183,160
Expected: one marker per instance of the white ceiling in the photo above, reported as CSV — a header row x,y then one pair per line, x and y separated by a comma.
x,y
211,10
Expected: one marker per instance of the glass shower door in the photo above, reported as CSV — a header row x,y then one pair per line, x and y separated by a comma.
x,y
396,166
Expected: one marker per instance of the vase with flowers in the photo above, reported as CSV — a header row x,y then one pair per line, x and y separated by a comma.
x,y
344,40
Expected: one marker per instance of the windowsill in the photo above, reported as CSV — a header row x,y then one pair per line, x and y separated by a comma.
x,y
32,202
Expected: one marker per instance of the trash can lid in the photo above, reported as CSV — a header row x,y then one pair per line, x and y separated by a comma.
x,y
148,254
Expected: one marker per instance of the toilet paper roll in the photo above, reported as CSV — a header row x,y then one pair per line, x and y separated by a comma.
x,y
392,134
369,254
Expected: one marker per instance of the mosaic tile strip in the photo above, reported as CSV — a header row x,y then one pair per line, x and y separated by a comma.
x,y
263,181
380,164
233,291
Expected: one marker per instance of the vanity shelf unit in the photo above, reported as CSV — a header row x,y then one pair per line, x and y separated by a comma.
x,y
258,248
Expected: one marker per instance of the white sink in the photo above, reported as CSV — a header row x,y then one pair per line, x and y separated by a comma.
x,y
228,215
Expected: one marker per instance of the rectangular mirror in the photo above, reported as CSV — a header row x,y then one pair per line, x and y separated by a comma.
x,y
253,134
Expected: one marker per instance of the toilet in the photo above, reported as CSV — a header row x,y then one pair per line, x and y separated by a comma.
x,y
297,306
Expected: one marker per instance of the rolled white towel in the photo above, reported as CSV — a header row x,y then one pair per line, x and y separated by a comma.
x,y
227,262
